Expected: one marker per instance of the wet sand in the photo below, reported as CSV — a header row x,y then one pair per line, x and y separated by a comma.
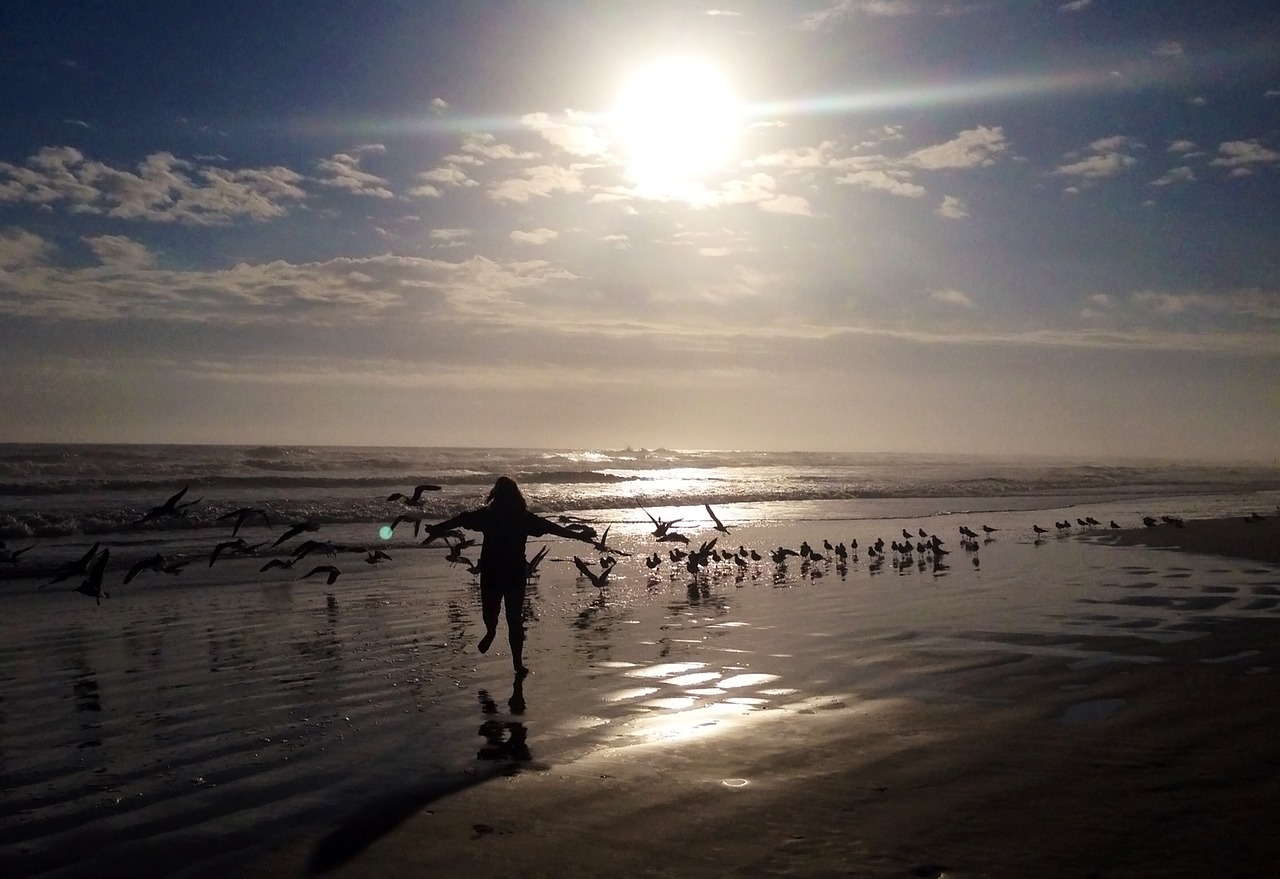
x,y
1236,537
1157,762
1062,708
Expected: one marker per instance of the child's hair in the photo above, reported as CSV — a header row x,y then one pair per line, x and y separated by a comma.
x,y
505,493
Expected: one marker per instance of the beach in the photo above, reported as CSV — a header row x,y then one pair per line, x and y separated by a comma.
x,y
1076,704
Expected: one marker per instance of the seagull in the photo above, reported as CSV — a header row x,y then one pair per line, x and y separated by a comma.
x,y
531,566
286,564
157,563
306,547
660,526
1173,520
295,530
242,515
673,537
653,561
78,568
1113,524
1150,522
407,517
720,526
92,584
237,546
375,556
323,569
1038,530
414,500
171,507
10,557
598,580
988,529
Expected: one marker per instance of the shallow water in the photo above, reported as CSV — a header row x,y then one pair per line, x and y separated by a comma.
x,y
223,708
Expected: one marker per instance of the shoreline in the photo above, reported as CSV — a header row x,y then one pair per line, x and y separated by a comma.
x,y
1233,537
1154,770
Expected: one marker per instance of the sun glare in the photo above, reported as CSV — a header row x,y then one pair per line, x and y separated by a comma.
x,y
676,119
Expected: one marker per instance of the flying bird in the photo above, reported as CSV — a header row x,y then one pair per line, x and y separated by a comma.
x,y
242,515
600,580
295,530
171,507
414,500
78,568
531,566
157,563
719,526
10,556
331,572
660,526
92,583
238,546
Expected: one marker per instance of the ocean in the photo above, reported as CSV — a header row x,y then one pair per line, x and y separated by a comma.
x,y
223,709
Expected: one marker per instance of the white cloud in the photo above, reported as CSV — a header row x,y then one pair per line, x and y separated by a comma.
x,y
968,149
895,182
1181,174
786,204
446,175
479,148
164,189
1075,6
20,248
1109,157
342,171
438,105
952,208
952,297
1168,49
117,251
1181,146
573,134
534,236
537,182
1244,152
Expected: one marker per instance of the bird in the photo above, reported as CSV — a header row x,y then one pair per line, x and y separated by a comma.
x,y
242,515
295,530
600,580
155,563
171,507
78,568
408,517
238,546
719,526
1173,520
1150,521
10,556
531,566
660,526
286,564
414,500
1089,520
653,561
329,570
989,530
673,537
374,556
1038,530
92,583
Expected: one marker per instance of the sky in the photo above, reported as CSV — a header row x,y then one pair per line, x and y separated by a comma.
x,y
971,226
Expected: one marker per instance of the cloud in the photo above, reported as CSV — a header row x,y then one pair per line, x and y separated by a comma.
x,y
895,182
952,208
786,204
535,236
430,182
1236,153
19,248
537,182
438,105
117,251
1253,303
1181,146
952,297
481,148
1108,157
1075,6
1168,49
968,149
164,188
573,134
342,171
1181,174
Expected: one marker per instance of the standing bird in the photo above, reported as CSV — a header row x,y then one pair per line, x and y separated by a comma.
x,y
171,507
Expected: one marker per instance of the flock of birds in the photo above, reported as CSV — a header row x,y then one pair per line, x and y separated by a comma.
x,y
921,549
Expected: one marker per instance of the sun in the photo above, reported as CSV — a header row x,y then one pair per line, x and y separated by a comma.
x,y
676,119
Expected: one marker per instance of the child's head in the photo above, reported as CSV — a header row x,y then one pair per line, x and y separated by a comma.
x,y
506,494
